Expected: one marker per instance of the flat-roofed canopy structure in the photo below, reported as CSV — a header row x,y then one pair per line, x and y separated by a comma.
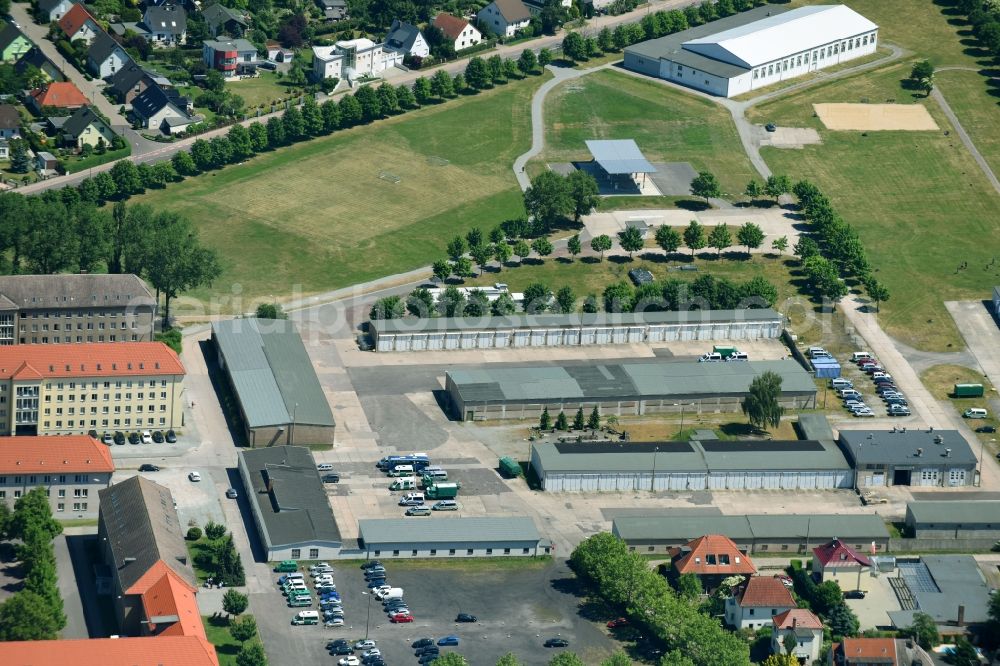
x,y
619,159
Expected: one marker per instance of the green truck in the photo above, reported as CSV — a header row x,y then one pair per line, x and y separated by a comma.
x,y
968,390
287,566
724,350
509,467
442,491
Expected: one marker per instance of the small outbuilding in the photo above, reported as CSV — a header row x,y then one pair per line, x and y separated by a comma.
x,y
954,519
620,162
909,457
508,536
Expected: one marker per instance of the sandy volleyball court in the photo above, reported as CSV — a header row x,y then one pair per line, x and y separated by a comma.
x,y
874,117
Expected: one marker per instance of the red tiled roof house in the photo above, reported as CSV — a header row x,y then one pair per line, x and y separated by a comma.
x,y
755,604
837,561
57,94
77,23
712,558
804,627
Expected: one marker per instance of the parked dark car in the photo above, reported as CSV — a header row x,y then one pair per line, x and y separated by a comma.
x,y
371,564
422,642
171,437
771,127
92,433
854,594
133,438
427,649
556,642
148,468
331,478
341,648
158,436
119,437
465,617
986,428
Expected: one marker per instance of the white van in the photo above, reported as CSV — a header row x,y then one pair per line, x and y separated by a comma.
x,y
975,413
306,615
848,393
738,356
841,383
857,356
402,470
412,499
711,357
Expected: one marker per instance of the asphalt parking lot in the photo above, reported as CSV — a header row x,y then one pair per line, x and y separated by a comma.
x,y
518,608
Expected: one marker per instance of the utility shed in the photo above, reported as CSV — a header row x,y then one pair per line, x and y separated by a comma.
x,y
548,330
507,536
642,387
280,398
709,465
753,533
909,457
954,519
289,504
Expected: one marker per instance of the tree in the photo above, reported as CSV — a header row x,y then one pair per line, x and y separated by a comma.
x,y
456,248
705,185
32,512
477,74
594,420
545,421
405,96
511,70
474,237
584,193
201,153
503,305
689,586
91,229
750,236
566,659
761,404
243,628
420,303
605,40
601,244
922,75
451,302
351,112
450,659
878,292
618,297
561,422
574,246
805,248
228,564
668,238
234,602
267,311
964,653
126,177
694,236
502,252
578,420
573,47
754,189
527,62
758,292
222,151
631,240
19,160
441,269
422,91
477,305
251,654
566,300
781,659
462,267
789,642
458,83
371,107
482,254
779,245
442,85
106,187
26,616
179,262
842,621
824,278
544,57
548,200
522,250
924,630
508,660
183,163
214,530
777,185
542,246
387,307
537,297
494,65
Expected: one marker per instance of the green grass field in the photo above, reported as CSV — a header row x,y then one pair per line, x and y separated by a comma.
x,y
260,90
217,631
316,216
668,126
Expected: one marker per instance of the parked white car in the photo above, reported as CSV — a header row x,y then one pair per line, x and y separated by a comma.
x,y
194,476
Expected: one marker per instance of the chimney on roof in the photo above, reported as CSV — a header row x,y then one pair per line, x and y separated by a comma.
x,y
128,560
947,453
931,429
961,615
795,621
938,439
920,452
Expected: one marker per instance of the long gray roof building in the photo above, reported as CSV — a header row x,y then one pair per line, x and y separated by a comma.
x,y
941,586
29,292
909,456
289,502
454,537
273,379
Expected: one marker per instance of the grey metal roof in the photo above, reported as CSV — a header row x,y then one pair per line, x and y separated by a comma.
x,y
238,45
959,582
142,527
272,374
682,528
950,512
75,291
420,325
294,509
627,381
618,156
907,446
815,426
447,530
693,456
672,48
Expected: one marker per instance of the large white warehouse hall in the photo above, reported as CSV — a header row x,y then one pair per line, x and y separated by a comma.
x,y
757,48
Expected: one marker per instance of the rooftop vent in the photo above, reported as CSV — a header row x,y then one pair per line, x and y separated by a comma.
x,y
947,453
920,452
938,439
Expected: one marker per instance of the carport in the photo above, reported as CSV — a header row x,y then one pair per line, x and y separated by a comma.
x,y
620,162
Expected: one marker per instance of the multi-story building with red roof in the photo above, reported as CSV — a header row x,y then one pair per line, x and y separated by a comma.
x,y
754,605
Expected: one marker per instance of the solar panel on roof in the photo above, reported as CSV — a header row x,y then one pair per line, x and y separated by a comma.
x,y
617,447
744,446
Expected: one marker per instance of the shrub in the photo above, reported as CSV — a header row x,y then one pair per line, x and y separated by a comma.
x,y
194,534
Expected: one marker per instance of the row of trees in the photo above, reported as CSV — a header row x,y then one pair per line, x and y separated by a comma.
x,y
577,47
561,659
624,580
35,612
835,251
706,292
593,422
553,198
984,17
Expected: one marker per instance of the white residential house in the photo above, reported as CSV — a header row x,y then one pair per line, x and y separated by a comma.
x,y
106,56
505,17
53,10
406,39
807,630
755,604
353,59
167,24
459,32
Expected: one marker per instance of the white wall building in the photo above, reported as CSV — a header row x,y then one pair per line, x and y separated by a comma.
x,y
805,627
757,48
505,17
353,59
755,605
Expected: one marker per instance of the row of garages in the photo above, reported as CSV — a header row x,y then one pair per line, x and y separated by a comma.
x,y
708,480
520,331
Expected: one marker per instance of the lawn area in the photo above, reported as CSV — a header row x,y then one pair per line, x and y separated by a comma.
x,y
918,200
668,126
217,631
79,163
590,276
317,216
260,90
940,380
